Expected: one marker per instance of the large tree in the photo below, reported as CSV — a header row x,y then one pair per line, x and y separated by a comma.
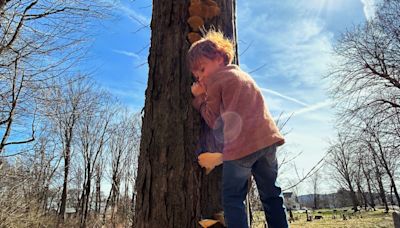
x,y
172,190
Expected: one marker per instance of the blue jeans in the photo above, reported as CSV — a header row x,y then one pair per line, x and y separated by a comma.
x,y
263,166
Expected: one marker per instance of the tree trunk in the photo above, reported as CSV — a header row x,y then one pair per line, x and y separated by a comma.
x,y
368,179
316,202
371,196
388,170
172,190
98,191
378,176
393,184
113,196
85,197
382,193
65,184
354,198
106,206
363,196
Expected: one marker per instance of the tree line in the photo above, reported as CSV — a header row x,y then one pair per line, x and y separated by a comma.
x,y
68,148
364,157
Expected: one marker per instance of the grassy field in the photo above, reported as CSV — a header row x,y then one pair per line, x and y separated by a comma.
x,y
373,219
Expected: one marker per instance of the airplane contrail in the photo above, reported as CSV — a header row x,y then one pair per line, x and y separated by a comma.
x,y
284,96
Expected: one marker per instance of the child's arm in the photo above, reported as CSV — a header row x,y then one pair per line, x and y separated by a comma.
x,y
208,104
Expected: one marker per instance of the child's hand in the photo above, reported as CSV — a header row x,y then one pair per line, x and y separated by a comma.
x,y
197,89
210,160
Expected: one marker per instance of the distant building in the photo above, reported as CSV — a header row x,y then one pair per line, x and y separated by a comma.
x,y
70,212
290,201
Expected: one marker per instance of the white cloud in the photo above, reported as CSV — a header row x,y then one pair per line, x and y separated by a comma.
x,y
131,13
295,39
298,46
283,96
127,53
369,8
312,108
306,54
308,109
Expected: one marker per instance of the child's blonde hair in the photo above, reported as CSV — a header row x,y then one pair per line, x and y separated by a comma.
x,y
212,45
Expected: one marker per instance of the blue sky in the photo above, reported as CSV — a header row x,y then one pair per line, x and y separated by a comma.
x,y
291,39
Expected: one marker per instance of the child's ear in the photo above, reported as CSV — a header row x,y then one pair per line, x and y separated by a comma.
x,y
220,60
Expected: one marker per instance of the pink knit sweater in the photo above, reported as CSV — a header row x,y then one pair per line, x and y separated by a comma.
x,y
233,97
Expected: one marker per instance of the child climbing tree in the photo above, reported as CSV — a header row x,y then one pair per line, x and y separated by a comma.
x,y
172,189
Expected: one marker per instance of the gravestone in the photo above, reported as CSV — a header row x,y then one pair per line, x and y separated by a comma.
x,y
396,219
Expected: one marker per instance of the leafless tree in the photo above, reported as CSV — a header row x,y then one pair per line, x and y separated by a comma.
x,y
123,148
366,86
15,197
39,40
366,78
56,121
69,100
341,161
360,178
315,181
385,155
379,174
94,131
26,179
43,165
367,73
99,173
366,166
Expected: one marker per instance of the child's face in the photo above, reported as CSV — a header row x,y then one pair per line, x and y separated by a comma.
x,y
207,67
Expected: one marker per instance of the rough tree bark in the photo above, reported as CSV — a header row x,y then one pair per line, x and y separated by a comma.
x,y
172,190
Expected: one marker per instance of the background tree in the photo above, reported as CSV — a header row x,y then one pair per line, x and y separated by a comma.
x,y
123,150
341,161
54,125
315,180
94,131
39,41
366,86
367,169
66,108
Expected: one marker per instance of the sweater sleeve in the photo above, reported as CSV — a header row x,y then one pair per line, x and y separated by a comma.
x,y
209,105
198,101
